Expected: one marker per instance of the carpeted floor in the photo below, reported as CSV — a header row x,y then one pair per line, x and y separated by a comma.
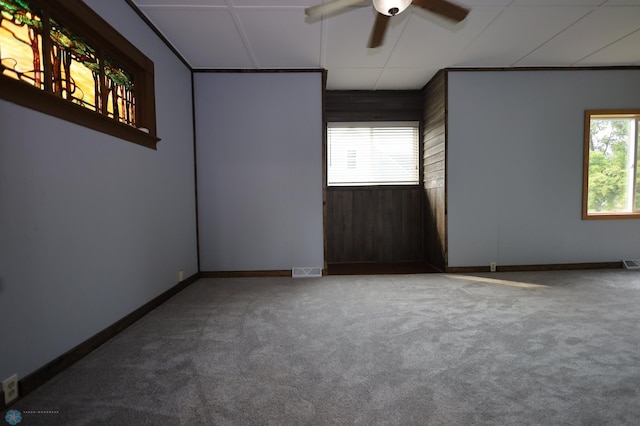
x,y
546,348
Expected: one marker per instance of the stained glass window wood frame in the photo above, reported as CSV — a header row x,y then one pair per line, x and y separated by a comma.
x,y
114,49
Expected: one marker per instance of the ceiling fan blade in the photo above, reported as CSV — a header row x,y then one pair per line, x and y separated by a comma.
x,y
320,10
379,30
443,8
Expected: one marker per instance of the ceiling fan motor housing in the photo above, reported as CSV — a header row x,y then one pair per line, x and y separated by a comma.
x,y
391,7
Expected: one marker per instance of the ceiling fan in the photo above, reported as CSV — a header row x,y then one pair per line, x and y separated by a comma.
x,y
387,9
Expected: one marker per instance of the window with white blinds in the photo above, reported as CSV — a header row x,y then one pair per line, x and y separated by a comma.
x,y
374,153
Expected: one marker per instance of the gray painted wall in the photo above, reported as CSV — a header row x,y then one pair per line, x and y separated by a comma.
x,y
259,161
515,146
92,227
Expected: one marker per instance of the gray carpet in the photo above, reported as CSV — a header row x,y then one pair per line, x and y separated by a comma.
x,y
547,348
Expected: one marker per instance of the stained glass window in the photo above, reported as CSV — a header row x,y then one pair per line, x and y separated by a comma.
x,y
120,92
75,67
39,47
77,72
21,52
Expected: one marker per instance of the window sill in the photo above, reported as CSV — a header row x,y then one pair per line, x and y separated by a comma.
x,y
47,103
371,187
610,216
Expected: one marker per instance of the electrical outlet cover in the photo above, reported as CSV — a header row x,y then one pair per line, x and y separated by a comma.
x,y
10,389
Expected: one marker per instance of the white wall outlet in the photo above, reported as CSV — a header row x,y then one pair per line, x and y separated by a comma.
x,y
180,275
10,389
492,266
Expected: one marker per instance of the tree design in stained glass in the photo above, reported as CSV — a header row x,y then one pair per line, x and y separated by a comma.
x,y
78,71
75,68
21,53
121,103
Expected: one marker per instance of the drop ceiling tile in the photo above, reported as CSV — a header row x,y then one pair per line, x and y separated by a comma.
x,y
352,78
496,33
557,2
180,2
483,3
429,41
348,35
622,52
405,79
205,37
596,31
278,3
622,3
281,39
516,33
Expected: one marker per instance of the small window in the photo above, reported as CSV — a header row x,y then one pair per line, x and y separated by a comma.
x,y
363,154
60,58
611,165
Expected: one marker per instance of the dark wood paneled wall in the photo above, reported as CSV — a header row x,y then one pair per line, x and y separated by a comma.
x,y
379,105
434,161
374,224
381,224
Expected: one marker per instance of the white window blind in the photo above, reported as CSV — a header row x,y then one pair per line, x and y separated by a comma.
x,y
377,153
